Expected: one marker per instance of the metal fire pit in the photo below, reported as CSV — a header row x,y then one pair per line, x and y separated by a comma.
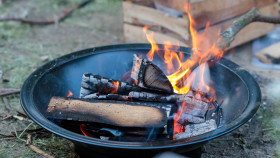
x,y
236,87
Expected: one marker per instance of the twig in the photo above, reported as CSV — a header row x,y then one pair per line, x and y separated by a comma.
x,y
39,151
7,104
228,35
36,149
28,140
22,114
22,118
59,18
25,129
7,117
5,92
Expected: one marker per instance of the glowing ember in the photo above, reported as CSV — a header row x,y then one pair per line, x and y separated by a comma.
x,y
84,131
116,87
70,94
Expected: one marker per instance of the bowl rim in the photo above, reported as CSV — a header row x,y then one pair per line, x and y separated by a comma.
x,y
27,90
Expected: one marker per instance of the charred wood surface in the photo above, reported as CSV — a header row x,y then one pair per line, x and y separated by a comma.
x,y
173,98
197,129
148,75
97,84
118,113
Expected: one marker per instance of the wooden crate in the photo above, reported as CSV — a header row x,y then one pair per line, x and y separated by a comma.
x,y
220,13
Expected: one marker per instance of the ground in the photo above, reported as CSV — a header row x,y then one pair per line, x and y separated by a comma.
x,y
23,48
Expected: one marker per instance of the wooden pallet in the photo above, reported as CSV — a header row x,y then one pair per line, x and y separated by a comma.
x,y
176,29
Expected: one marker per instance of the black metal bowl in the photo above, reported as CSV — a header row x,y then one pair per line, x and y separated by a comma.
x,y
238,89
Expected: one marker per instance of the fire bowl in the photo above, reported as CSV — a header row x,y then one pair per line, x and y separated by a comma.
x,y
239,92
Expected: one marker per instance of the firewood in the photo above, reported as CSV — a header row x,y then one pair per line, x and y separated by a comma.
x,y
97,84
173,98
148,75
113,113
192,130
106,97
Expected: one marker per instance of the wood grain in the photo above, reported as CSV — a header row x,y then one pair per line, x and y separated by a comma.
x,y
118,114
146,15
215,11
135,34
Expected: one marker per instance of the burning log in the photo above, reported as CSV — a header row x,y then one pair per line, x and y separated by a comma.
x,y
148,75
173,98
97,84
113,113
197,129
106,97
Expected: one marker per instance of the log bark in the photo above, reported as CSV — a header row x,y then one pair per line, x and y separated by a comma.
x,y
117,113
173,98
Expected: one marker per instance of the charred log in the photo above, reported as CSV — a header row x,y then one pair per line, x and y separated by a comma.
x,y
97,84
114,113
148,75
173,98
192,130
99,96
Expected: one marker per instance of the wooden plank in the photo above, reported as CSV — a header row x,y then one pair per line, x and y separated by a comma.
x,y
215,11
250,32
135,34
270,55
133,12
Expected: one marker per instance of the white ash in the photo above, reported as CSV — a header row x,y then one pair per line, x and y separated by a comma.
x,y
192,130
195,108
189,118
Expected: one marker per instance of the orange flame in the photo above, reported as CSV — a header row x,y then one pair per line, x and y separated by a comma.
x,y
178,70
70,94
150,38
116,86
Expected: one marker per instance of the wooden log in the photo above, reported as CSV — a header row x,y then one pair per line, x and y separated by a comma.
x,y
117,113
173,98
106,97
98,84
192,130
148,75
